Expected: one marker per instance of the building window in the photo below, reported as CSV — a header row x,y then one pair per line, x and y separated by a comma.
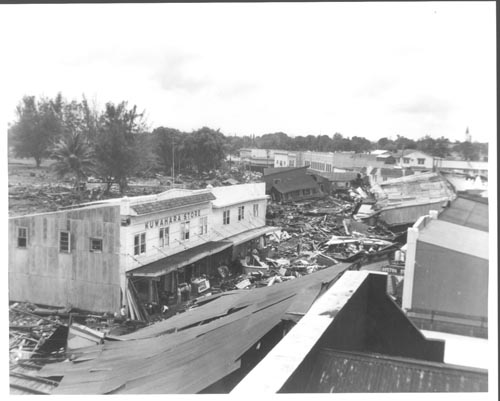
x,y
140,244
406,160
292,163
164,236
95,245
225,217
203,225
276,180
256,210
241,213
185,231
421,161
64,241
306,191
22,237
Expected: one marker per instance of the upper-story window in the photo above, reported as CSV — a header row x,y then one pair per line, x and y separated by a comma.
x,y
164,236
140,244
225,217
203,225
256,210
185,231
95,244
421,161
64,242
406,160
241,213
22,237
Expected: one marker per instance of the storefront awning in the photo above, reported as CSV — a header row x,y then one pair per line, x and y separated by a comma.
x,y
251,234
184,258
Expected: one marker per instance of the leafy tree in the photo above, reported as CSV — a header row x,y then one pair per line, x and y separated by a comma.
x,y
360,144
73,157
207,147
116,152
36,128
165,140
468,150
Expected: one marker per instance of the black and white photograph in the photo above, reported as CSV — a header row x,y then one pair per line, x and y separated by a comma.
x,y
250,199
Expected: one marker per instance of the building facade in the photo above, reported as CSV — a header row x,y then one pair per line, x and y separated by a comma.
x,y
93,257
415,159
446,270
462,166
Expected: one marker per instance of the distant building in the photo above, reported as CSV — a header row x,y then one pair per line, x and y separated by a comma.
x,y
462,166
414,159
284,158
446,271
257,159
330,162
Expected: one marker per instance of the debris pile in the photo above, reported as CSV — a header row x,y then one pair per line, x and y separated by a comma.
x,y
32,336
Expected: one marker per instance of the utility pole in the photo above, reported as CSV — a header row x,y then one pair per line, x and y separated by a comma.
x,y
173,163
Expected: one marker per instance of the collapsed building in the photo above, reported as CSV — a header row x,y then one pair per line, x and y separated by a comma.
x,y
289,184
102,255
324,332
403,200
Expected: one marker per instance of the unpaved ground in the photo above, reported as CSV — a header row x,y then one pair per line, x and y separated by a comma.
x,y
36,190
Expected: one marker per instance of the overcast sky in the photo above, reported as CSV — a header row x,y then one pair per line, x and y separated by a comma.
x,y
370,69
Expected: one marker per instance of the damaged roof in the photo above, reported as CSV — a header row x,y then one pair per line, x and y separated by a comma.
x,y
337,177
190,351
289,184
152,207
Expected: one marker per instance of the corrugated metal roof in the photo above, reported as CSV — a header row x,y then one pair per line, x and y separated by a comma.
x,y
194,357
468,213
347,372
346,176
455,237
290,184
24,380
152,207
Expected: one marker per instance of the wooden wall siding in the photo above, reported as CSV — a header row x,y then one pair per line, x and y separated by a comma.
x,y
83,279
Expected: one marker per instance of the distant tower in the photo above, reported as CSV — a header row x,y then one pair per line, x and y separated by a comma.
x,y
467,135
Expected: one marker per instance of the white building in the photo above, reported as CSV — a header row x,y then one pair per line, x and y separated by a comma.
x,y
463,166
415,159
284,158
97,256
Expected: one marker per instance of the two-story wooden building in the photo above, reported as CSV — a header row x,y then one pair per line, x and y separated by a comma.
x,y
89,257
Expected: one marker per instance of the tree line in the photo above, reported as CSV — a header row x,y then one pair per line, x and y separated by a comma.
x,y
112,144
116,143
437,147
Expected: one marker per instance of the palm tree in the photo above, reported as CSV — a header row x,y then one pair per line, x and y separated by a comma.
x,y
73,157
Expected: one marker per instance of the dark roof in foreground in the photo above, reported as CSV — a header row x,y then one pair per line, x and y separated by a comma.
x,y
173,203
467,212
192,350
346,372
